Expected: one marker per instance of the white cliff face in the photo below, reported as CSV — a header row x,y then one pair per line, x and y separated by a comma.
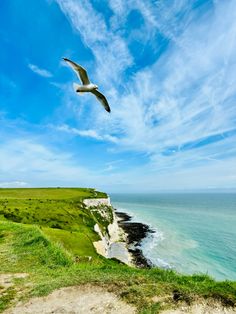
x,y
89,202
113,243
102,245
115,232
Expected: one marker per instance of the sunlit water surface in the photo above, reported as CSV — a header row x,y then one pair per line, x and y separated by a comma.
x,y
194,233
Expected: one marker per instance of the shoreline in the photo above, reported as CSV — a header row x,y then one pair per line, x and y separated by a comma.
x,y
135,233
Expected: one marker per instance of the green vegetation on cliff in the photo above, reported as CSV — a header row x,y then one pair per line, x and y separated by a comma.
x,y
59,212
48,234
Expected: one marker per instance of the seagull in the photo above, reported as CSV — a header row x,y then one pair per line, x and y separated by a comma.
x,y
87,85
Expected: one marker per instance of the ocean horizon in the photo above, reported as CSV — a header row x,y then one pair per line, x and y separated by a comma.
x,y
194,232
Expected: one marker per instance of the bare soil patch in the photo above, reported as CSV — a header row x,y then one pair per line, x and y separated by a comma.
x,y
75,300
203,307
7,280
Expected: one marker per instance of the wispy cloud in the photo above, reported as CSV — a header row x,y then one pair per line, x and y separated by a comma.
x,y
39,71
13,184
29,160
109,48
86,133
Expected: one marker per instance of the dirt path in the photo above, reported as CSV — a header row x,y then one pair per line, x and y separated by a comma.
x,y
75,300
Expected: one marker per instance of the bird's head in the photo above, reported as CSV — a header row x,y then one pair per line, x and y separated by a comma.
x,y
95,86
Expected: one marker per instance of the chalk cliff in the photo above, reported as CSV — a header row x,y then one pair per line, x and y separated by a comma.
x,y
113,239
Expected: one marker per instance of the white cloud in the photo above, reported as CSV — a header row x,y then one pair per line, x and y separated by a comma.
x,y
110,49
39,71
205,176
187,94
28,160
86,133
13,184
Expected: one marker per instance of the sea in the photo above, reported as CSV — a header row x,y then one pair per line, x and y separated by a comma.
x,y
194,233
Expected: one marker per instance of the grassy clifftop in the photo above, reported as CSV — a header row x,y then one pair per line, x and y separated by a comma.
x,y
50,193
59,212
48,234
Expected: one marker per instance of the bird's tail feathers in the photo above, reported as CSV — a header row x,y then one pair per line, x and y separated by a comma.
x,y
75,86
76,89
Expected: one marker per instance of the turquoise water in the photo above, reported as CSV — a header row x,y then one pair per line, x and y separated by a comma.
x,y
194,233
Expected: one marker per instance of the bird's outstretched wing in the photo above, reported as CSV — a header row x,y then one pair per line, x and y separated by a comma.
x,y
100,97
80,71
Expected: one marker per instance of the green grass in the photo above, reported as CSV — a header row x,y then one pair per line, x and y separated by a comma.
x,y
60,212
77,243
50,193
49,256
6,298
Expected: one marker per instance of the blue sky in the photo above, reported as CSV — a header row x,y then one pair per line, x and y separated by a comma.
x,y
168,70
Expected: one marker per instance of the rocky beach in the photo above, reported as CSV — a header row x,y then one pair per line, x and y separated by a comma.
x,y
135,232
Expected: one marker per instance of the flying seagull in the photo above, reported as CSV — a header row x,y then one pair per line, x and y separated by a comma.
x,y
87,86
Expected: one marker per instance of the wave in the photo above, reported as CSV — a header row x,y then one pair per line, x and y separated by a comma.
x,y
149,245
